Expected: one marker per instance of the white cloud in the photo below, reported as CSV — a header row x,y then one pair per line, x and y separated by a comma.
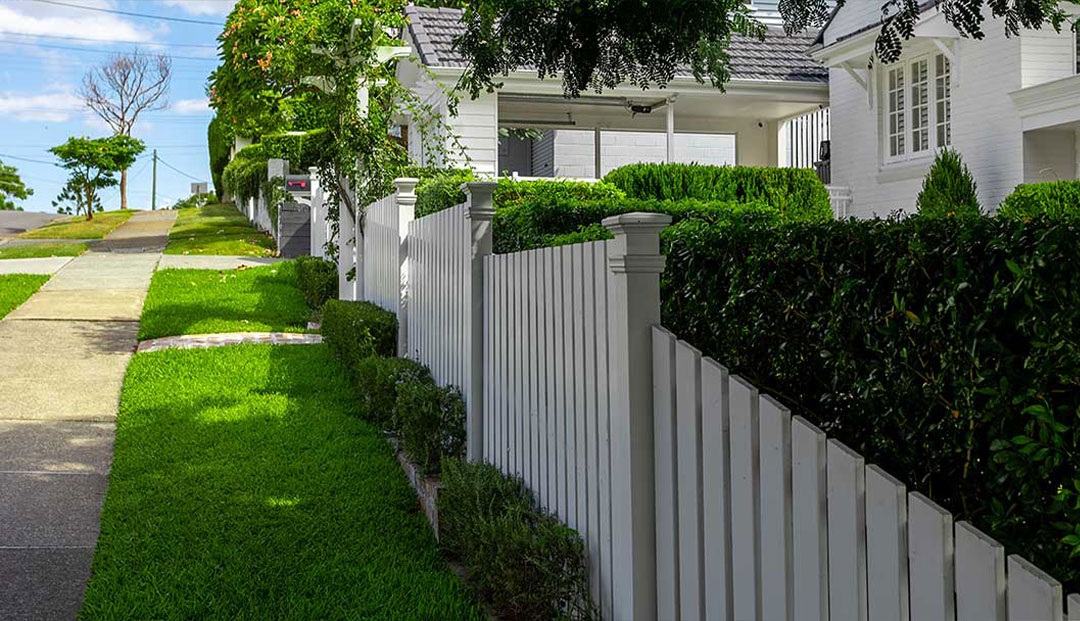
x,y
30,19
54,107
190,106
202,7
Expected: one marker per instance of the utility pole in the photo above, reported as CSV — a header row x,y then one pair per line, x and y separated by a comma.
x,y
153,186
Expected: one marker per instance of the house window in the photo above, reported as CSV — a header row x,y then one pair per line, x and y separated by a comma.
x,y
896,112
918,117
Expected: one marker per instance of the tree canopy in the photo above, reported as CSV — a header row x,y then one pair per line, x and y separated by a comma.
x,y
11,188
92,164
600,45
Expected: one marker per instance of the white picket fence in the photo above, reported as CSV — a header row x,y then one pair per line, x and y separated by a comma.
x,y
320,222
696,496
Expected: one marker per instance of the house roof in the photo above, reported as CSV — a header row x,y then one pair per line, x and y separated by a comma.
x,y
778,58
820,39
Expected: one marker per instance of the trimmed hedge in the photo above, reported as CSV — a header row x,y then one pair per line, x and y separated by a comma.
x,y
796,192
377,382
443,191
1057,199
244,175
358,330
429,421
946,350
318,279
524,561
544,221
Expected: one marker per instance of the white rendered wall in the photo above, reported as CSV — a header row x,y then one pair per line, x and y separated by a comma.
x,y
1049,155
574,150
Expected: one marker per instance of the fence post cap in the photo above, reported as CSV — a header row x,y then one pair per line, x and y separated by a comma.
x,y
480,201
405,185
313,169
476,187
637,222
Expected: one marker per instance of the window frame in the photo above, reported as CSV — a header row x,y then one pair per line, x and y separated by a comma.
x,y
907,70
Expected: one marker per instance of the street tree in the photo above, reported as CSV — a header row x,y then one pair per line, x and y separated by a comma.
x,y
124,87
600,45
92,164
11,188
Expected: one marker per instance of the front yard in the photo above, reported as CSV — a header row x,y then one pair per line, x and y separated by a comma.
x,y
78,227
245,488
37,251
217,230
16,289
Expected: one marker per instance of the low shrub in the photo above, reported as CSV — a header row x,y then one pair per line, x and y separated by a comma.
x,y
542,222
318,279
796,193
357,330
377,381
949,189
443,191
429,421
523,561
1057,199
946,350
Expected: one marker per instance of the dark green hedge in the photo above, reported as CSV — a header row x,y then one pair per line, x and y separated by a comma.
x,y
358,330
946,350
377,382
544,221
443,191
219,141
318,279
796,192
429,421
524,562
1057,199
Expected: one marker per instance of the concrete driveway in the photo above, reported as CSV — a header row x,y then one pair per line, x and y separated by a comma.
x,y
15,222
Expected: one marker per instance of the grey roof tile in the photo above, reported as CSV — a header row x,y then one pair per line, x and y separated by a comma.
x,y
779,57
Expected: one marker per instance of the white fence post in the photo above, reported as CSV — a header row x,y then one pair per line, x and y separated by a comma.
x,y
318,216
405,198
479,212
635,264
346,255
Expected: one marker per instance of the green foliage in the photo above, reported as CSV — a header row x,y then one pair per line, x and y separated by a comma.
x,y
1057,199
318,279
196,200
16,289
377,380
358,330
429,421
523,560
949,189
944,349
91,164
217,230
796,192
219,140
244,175
550,222
11,187
442,190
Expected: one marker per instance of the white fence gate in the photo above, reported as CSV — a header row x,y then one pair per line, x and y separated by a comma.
x,y
696,496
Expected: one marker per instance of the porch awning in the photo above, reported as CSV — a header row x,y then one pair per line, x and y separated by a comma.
x,y
1049,104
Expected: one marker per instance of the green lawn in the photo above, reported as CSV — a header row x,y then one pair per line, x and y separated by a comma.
x,y
217,230
244,487
37,251
16,289
261,299
78,227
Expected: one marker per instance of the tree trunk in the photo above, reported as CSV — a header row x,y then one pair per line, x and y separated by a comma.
x,y
89,204
123,189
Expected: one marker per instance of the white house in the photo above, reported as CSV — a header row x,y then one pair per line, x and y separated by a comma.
x,y
773,81
1010,106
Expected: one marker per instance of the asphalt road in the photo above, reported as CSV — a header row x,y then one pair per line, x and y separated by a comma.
x,y
15,222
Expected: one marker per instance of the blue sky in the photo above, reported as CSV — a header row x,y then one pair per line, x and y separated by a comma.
x,y
46,48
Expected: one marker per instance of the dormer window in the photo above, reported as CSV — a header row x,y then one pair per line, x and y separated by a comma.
x,y
918,113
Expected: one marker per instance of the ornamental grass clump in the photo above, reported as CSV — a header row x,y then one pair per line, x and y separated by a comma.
x,y
949,190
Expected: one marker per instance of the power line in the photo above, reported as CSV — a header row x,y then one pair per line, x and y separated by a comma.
x,y
107,41
85,50
175,169
132,14
27,159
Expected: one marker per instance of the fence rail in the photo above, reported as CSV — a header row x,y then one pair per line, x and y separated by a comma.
x,y
697,497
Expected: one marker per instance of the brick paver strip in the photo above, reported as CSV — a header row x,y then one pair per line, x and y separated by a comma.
x,y
206,341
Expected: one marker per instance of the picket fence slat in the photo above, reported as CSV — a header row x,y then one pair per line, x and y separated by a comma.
x,y
716,491
1033,594
1074,607
600,267
688,466
980,576
667,482
810,540
886,547
776,577
580,408
847,532
930,558
745,499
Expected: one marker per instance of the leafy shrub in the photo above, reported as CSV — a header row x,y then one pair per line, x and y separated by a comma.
x,y
948,189
377,381
219,140
430,422
443,191
197,200
946,350
524,561
541,222
318,279
358,330
796,193
1058,199
244,175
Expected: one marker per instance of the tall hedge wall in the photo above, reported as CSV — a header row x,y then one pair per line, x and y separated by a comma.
x,y
947,351
219,142
796,192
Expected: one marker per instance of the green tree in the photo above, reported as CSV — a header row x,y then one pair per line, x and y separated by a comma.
x,y
600,45
92,164
948,189
11,188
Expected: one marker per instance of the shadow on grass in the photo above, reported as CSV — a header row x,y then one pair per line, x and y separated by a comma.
x,y
244,487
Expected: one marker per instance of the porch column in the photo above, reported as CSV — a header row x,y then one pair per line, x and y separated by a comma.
x,y
1077,154
671,130
598,170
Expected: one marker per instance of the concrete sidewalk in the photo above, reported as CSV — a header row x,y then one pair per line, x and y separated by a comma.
x,y
63,355
43,265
